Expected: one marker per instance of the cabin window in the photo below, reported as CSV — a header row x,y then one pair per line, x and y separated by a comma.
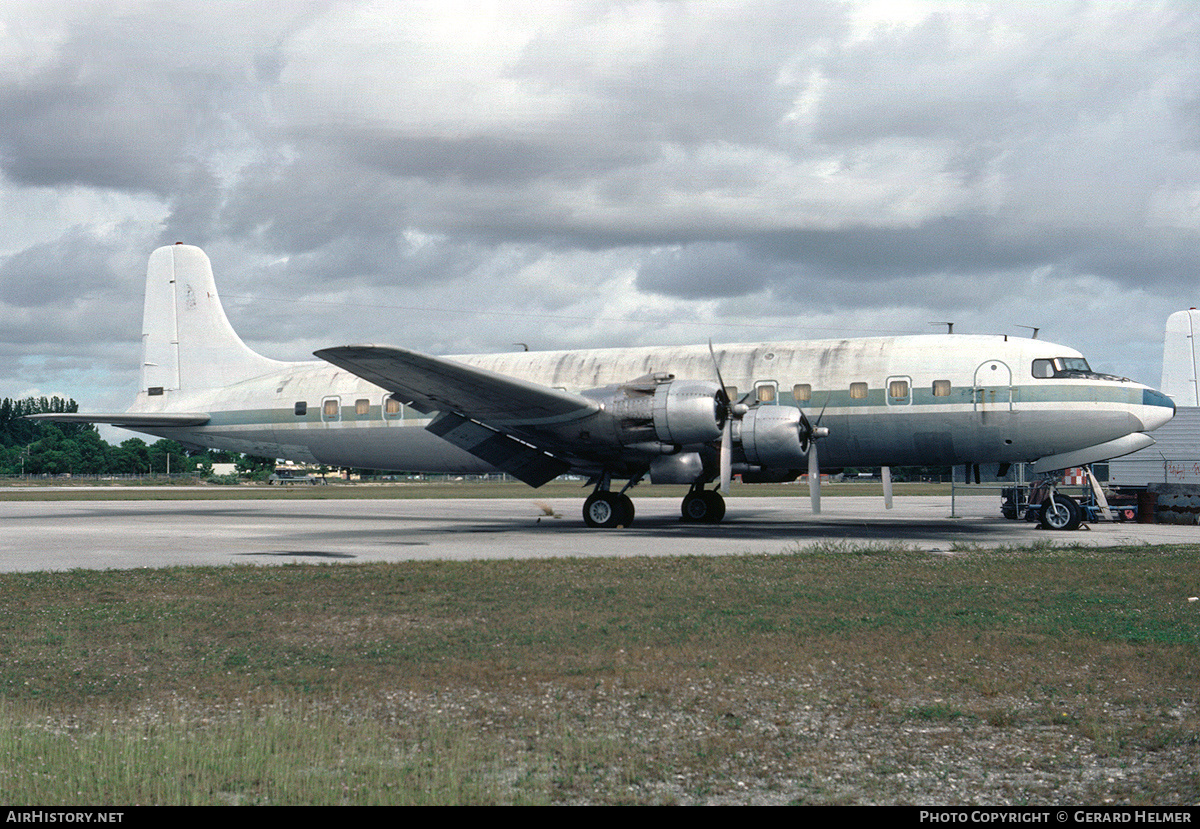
x,y
765,393
391,407
330,409
898,389
802,392
731,391
941,388
858,391
301,408
154,391
362,407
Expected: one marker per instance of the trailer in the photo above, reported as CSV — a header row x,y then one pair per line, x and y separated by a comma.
x,y
1164,478
1173,459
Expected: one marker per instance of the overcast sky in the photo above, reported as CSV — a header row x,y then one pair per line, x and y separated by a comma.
x,y
458,177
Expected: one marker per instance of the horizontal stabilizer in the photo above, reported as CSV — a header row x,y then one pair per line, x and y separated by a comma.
x,y
133,420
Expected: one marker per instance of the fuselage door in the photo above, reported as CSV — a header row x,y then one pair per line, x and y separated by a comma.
x,y
993,391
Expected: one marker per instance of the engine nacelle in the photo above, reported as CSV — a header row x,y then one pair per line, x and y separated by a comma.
x,y
770,437
667,411
688,411
684,468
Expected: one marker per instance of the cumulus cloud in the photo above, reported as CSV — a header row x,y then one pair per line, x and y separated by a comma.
x,y
460,176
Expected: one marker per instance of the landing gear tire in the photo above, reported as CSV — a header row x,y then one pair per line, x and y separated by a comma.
x,y
1061,513
703,507
607,510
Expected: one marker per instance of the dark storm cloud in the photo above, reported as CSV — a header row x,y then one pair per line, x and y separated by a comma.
x,y
59,273
64,131
195,207
73,297
487,159
348,263
791,260
792,263
706,270
304,205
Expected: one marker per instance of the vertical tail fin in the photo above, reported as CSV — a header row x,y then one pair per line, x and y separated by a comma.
x,y
1180,379
187,341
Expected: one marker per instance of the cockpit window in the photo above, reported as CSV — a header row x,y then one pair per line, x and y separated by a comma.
x,y
1063,367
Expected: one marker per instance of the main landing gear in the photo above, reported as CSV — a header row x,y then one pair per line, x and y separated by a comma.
x,y
607,509
703,506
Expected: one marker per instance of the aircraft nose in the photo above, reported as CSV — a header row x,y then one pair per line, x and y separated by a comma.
x,y
1157,409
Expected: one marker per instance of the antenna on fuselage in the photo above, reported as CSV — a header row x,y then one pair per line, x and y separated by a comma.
x,y
1031,328
949,326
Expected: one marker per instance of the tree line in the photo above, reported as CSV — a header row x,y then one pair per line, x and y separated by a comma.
x,y
34,447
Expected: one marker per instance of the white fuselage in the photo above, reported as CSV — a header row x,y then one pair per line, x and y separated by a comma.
x,y
927,400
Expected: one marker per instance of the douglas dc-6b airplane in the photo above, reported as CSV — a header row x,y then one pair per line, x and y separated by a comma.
x,y
629,413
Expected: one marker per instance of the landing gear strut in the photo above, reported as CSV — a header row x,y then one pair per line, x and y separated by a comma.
x,y
703,506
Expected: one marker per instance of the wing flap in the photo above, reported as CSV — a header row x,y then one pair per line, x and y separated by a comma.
x,y
519,459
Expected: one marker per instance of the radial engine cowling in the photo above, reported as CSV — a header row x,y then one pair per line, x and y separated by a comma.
x,y
770,436
675,412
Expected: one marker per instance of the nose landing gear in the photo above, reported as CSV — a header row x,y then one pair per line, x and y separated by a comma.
x,y
1061,512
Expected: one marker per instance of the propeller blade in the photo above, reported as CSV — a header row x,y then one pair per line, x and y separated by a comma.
x,y
824,406
726,455
814,479
727,413
885,472
724,395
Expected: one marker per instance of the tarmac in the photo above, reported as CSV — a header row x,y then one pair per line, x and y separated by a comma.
x,y
64,535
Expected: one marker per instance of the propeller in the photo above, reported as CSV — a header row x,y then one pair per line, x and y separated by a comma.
x,y
727,414
814,479
726,455
885,473
809,434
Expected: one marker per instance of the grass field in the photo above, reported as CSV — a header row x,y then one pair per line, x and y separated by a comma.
x,y
828,674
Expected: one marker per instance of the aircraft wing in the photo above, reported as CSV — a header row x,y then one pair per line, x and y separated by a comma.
x,y
131,419
507,422
437,384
